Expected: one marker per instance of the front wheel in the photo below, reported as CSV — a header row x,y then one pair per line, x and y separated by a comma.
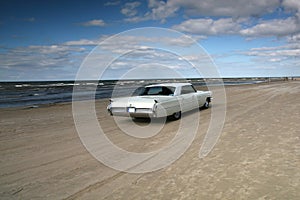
x,y
206,104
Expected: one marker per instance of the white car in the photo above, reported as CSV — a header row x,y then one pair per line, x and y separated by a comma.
x,y
161,100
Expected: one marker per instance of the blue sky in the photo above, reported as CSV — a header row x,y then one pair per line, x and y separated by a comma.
x,y
49,40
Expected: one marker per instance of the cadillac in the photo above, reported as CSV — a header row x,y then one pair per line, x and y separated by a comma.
x,y
161,100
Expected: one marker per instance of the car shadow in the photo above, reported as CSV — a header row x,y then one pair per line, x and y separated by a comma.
x,y
146,121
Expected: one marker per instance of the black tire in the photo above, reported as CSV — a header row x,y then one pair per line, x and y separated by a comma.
x,y
176,116
206,104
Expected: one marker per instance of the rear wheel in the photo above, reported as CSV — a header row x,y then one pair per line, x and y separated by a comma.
x,y
176,116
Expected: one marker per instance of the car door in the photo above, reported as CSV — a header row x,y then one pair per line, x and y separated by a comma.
x,y
188,99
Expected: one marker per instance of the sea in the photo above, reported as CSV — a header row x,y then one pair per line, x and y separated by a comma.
x,y
38,93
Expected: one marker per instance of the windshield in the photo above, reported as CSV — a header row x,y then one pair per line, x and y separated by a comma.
x,y
158,90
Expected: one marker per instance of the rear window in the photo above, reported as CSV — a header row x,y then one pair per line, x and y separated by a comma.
x,y
158,90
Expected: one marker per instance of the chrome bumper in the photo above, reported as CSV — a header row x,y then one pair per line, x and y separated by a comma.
x,y
131,112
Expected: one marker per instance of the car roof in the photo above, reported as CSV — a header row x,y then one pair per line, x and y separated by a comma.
x,y
170,84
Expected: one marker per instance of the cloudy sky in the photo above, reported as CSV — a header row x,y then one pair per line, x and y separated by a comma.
x,y
49,40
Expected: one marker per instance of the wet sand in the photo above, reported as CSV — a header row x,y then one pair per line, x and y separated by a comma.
x,y
256,157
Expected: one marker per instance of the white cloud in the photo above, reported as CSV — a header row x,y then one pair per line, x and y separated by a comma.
x,y
40,62
209,26
150,63
136,19
275,59
228,13
95,22
82,42
230,8
277,53
261,28
129,9
126,42
290,45
61,61
294,38
112,3
233,17
292,6
265,48
254,28
182,41
161,10
56,49
286,53
158,10
275,27
30,19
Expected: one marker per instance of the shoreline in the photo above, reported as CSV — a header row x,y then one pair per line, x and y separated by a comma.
x,y
199,87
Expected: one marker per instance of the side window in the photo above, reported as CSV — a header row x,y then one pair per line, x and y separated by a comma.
x,y
187,89
168,91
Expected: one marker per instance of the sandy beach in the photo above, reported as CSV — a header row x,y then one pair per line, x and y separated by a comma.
x,y
256,157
